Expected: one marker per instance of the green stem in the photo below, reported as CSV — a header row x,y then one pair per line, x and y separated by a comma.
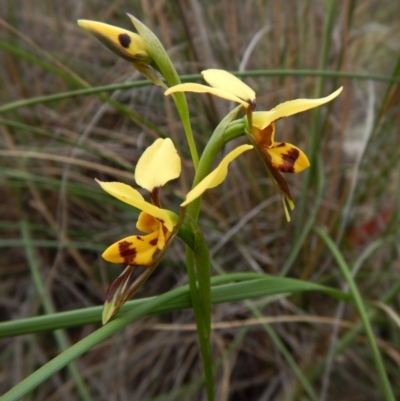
x,y
202,314
181,105
203,317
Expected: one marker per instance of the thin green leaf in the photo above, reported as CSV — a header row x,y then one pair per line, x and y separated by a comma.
x,y
60,336
344,268
224,288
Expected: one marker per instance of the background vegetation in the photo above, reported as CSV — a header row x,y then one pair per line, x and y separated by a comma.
x,y
55,221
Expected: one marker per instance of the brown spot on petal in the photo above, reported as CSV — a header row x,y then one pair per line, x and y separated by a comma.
x,y
288,160
126,252
139,238
153,242
124,40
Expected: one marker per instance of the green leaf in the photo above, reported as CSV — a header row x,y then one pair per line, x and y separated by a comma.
x,y
250,285
224,288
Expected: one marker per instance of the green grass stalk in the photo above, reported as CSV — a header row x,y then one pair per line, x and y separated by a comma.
x,y
386,387
60,336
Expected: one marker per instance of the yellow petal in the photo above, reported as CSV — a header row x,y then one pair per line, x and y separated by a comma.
x,y
158,164
216,176
147,223
127,194
287,158
124,43
163,237
136,250
190,87
227,82
261,120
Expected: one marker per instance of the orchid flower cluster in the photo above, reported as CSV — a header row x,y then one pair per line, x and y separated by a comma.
x,y
160,163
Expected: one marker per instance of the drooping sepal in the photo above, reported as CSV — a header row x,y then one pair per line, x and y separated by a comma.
x,y
116,294
275,176
217,176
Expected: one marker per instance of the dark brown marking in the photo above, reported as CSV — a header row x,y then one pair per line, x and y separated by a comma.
x,y
124,40
263,137
280,145
289,160
153,241
155,196
252,103
126,252
139,238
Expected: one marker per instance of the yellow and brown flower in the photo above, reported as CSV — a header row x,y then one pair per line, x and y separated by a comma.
x,y
279,157
159,164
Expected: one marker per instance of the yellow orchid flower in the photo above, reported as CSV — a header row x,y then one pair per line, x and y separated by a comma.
x,y
223,84
159,164
279,157
282,157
